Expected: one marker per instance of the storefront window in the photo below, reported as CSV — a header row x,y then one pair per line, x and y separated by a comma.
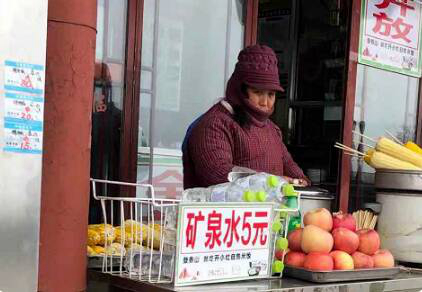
x,y
110,48
385,101
189,49
108,95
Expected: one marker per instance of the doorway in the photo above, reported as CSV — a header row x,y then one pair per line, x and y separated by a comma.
x,y
310,38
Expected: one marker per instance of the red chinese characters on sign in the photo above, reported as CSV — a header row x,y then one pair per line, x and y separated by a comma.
x,y
259,228
389,27
226,229
214,230
192,228
231,230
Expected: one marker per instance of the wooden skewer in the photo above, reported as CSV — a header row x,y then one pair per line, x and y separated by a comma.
x,y
367,145
374,221
394,137
364,136
368,219
365,215
352,154
346,148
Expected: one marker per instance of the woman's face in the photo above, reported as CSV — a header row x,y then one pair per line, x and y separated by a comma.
x,y
261,99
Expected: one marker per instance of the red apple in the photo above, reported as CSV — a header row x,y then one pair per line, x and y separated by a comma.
x,y
279,254
345,240
369,241
295,259
316,261
295,239
344,220
362,261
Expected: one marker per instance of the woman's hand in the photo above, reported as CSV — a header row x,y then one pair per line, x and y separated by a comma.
x,y
297,181
301,182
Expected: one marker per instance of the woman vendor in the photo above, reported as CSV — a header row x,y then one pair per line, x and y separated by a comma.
x,y
237,131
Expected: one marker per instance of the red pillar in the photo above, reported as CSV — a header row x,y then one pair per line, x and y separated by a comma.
x,y
67,141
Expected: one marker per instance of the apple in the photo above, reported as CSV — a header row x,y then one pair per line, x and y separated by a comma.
x,y
383,259
279,254
295,239
369,241
320,217
344,220
362,261
316,261
295,259
342,260
345,240
315,239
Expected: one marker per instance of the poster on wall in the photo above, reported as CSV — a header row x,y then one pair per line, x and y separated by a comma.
x,y
391,36
23,107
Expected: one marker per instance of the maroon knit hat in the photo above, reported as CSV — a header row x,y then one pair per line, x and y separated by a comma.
x,y
257,65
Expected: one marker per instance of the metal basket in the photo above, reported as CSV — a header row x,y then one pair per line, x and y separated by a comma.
x,y
150,236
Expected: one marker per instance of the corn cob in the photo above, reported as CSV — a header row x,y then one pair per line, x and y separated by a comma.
x,y
98,249
368,156
414,147
90,251
385,161
124,237
93,237
137,229
398,151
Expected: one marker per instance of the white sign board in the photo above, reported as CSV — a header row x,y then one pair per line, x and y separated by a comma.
x,y
391,36
223,242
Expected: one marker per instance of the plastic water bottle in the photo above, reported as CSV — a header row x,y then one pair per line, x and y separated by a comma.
x,y
235,193
269,188
196,195
218,192
258,182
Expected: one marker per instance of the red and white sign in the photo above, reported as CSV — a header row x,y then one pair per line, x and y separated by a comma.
x,y
223,242
391,35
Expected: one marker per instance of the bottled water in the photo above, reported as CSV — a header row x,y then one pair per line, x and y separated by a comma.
x,y
218,192
261,187
196,195
269,188
235,193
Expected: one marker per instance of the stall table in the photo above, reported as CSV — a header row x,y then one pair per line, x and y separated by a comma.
x,y
405,281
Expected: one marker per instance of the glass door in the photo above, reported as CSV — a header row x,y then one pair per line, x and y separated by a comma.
x,y
189,49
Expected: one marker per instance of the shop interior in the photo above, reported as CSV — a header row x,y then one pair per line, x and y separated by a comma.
x,y
310,39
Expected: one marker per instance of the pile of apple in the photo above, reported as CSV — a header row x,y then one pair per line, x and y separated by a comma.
x,y
331,242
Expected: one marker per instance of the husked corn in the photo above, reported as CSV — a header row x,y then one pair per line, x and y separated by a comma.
x,y
126,237
398,151
90,251
154,235
414,147
382,160
368,156
93,237
138,229
98,249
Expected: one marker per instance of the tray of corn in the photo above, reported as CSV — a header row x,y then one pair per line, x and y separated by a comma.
x,y
388,154
113,242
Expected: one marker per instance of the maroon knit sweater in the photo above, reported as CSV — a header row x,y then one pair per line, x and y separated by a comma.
x,y
218,143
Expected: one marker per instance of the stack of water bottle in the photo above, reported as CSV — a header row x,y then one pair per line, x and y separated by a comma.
x,y
259,187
